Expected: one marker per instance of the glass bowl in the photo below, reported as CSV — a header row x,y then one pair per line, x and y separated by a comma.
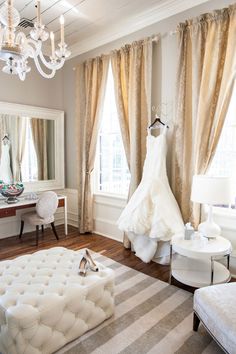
x,y
11,191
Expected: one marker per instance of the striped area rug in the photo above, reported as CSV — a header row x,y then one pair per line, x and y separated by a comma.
x,y
151,317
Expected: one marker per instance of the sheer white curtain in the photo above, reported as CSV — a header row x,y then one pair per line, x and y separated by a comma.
x,y
17,131
15,127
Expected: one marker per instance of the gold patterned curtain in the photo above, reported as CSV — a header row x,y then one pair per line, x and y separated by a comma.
x,y
206,72
91,77
132,70
39,134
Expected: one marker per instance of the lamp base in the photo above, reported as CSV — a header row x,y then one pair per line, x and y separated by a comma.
x,y
209,229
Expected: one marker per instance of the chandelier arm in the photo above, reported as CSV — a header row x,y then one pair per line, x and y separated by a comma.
x,y
20,36
22,76
40,70
31,46
35,47
50,65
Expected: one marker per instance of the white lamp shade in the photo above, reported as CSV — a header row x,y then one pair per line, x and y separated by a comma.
x,y
211,190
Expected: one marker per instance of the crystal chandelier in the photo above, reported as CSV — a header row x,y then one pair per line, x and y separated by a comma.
x,y
16,48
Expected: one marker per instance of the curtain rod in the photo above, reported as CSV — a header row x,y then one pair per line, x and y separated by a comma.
x,y
155,39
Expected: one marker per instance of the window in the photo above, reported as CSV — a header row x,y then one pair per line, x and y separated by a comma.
x,y
224,161
29,167
112,173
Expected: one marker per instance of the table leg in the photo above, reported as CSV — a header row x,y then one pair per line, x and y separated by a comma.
x,y
212,270
65,216
171,254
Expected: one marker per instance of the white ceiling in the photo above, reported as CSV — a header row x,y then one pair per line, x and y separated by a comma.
x,y
90,23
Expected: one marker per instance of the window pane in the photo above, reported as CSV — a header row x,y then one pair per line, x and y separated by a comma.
x,y
113,176
224,161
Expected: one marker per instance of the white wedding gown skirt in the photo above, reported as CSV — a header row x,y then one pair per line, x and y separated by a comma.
x,y
152,213
5,165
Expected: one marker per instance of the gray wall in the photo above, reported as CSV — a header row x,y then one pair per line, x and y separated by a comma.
x,y
34,91
164,71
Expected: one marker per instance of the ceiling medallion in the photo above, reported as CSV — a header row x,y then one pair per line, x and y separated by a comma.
x,y
16,48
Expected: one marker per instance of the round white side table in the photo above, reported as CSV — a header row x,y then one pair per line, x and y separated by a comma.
x,y
195,263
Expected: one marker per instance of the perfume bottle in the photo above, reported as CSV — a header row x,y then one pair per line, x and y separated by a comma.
x,y
188,231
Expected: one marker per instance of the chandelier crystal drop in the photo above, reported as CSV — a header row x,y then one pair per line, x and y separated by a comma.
x,y
16,48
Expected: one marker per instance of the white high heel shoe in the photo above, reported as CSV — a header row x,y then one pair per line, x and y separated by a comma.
x,y
83,267
91,263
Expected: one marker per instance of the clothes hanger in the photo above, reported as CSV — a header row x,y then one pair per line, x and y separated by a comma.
x,y
158,120
6,140
5,137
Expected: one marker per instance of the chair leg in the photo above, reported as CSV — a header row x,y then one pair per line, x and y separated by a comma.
x,y
37,235
21,228
42,228
196,322
54,230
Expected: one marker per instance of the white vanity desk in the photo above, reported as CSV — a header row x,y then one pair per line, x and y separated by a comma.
x,y
8,210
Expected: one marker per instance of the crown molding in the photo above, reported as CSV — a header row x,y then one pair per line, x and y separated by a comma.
x,y
156,14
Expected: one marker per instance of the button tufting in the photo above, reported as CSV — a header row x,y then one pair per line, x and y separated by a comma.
x,y
70,309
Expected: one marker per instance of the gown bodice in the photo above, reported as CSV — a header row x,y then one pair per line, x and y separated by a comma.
x,y
155,162
5,153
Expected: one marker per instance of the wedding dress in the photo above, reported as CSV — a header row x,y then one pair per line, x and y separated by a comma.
x,y
152,214
5,165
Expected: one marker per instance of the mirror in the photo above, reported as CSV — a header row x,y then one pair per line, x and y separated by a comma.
x,y
32,146
27,151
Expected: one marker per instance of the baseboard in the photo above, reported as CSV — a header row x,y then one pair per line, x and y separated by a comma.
x,y
108,229
107,236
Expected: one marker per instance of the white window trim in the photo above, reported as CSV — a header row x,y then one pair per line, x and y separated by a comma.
x,y
110,195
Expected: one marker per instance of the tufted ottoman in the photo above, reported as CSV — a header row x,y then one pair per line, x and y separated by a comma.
x,y
215,306
45,304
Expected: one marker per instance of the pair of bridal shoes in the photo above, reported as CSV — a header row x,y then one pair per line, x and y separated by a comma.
x,y
87,263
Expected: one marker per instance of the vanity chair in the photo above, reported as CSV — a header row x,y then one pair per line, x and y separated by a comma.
x,y
43,215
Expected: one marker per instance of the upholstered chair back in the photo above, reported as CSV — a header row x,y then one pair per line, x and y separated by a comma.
x,y
47,205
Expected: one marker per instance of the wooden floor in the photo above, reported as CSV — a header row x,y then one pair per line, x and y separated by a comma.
x,y
12,247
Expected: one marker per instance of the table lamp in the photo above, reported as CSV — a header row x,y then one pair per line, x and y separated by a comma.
x,y
212,191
